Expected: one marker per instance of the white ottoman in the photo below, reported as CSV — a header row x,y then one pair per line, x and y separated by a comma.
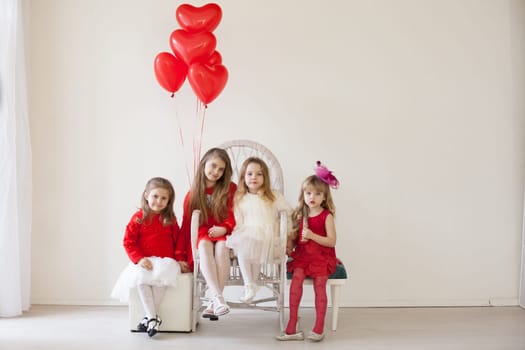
x,y
175,309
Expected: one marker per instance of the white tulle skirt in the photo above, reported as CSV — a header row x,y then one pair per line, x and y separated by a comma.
x,y
164,273
255,243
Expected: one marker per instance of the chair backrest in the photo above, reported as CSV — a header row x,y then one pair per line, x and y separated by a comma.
x,y
240,150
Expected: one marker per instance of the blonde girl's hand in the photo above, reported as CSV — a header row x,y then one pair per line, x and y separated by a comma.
x,y
145,263
216,231
289,247
306,234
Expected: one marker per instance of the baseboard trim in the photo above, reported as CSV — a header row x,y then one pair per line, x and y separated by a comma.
x,y
310,303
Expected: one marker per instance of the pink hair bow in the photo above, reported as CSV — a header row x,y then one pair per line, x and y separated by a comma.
x,y
326,175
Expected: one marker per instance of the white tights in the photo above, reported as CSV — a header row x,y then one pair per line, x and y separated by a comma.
x,y
250,271
214,264
151,297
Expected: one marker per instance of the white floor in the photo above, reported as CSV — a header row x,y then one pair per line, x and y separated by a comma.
x,y
103,327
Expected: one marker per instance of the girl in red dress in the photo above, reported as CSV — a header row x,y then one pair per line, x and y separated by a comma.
x,y
149,241
212,193
312,249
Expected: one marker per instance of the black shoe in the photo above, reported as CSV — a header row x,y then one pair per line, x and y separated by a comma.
x,y
153,326
143,325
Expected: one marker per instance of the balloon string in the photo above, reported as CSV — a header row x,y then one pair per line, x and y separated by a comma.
x,y
181,138
203,115
198,133
195,152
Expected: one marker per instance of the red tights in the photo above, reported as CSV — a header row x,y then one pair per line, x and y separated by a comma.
x,y
296,293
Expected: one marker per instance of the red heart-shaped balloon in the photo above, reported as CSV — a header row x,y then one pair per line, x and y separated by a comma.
x,y
198,19
192,47
169,71
207,81
214,59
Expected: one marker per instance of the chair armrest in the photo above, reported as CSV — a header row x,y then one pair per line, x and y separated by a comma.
x,y
283,240
194,231
283,232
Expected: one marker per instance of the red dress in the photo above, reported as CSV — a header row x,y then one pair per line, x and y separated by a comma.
x,y
315,259
183,247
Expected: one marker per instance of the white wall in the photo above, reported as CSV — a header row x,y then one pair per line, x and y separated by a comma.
x,y
416,106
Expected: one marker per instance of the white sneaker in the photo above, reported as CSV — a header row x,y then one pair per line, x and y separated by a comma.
x,y
208,312
250,290
219,306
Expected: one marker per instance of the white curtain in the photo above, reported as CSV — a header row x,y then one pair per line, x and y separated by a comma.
x,y
522,280
15,165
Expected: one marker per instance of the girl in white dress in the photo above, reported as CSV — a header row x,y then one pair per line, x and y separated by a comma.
x,y
255,238
149,241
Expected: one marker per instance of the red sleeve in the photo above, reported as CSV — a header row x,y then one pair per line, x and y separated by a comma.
x,y
186,215
175,233
131,239
183,242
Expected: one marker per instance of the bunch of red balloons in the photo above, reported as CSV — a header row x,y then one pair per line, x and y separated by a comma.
x,y
194,55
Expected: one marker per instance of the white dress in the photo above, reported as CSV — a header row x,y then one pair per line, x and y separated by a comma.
x,y
164,273
256,234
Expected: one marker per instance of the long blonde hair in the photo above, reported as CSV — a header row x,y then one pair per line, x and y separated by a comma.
x,y
219,197
167,214
265,192
302,210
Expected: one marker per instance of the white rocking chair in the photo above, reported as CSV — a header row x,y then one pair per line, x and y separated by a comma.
x,y
272,276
